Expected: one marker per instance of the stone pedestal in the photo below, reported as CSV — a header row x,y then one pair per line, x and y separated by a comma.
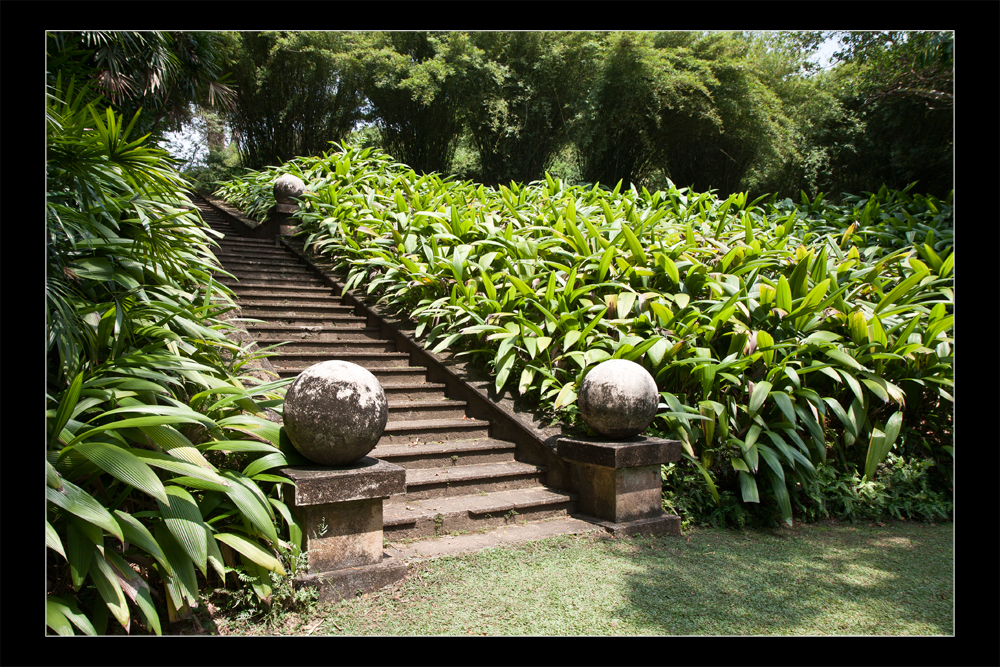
x,y
279,221
618,482
340,509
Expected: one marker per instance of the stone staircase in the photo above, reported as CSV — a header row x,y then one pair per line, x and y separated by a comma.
x,y
458,478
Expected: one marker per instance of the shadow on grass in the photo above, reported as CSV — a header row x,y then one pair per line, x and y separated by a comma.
x,y
808,580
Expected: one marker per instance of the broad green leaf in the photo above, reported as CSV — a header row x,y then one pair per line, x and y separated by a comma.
x,y
634,245
251,550
708,478
75,500
784,404
66,407
183,519
52,540
182,584
881,443
124,466
844,358
165,462
760,392
748,487
81,538
252,504
107,584
69,611
781,493
784,295
137,534
567,396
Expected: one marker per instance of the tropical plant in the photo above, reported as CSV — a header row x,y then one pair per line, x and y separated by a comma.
x,y
154,471
160,72
777,332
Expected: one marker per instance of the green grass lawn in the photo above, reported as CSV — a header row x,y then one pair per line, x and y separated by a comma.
x,y
818,579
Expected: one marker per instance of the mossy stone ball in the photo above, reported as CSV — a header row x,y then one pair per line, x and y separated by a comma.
x,y
335,412
618,399
288,186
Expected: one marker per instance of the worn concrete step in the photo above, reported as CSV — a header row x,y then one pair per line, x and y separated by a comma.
x,y
475,479
275,308
270,275
413,391
312,286
281,332
289,296
332,348
443,454
433,430
425,409
264,283
471,541
386,376
238,260
307,319
367,360
250,244
404,517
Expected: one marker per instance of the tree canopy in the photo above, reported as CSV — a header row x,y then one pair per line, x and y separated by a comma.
x,y
728,111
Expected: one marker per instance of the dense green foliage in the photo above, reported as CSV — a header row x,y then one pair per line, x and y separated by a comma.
x,y
294,94
780,334
157,450
161,73
723,111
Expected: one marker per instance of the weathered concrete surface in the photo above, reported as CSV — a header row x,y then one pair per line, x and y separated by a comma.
x,y
665,524
288,186
618,494
348,582
341,535
636,451
450,545
363,479
335,412
619,481
618,398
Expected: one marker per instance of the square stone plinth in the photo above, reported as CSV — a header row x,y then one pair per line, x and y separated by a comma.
x,y
364,479
340,509
618,481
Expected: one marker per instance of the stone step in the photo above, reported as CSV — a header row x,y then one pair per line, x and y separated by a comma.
x,y
474,479
332,348
263,283
307,319
290,297
426,409
465,541
443,454
275,308
237,260
275,332
293,293
386,376
269,274
413,391
433,430
404,517
367,360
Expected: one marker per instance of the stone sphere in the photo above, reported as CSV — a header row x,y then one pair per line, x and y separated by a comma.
x,y
288,186
335,413
618,399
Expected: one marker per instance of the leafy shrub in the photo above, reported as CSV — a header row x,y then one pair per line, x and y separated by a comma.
x,y
902,489
155,473
777,332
